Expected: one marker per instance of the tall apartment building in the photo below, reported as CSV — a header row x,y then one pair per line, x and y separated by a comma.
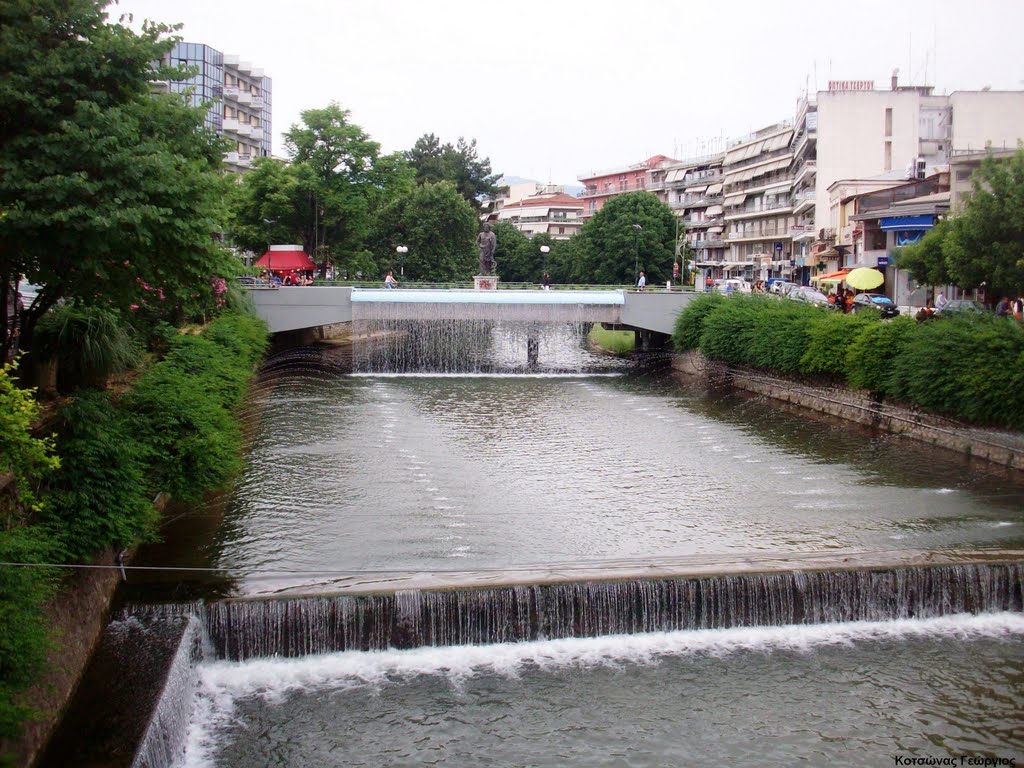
x,y
602,186
758,187
693,189
558,215
904,132
238,96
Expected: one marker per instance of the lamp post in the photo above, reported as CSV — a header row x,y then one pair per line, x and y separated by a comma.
x,y
636,252
401,251
545,250
270,225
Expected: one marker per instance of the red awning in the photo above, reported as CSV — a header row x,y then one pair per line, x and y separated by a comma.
x,y
832,277
286,261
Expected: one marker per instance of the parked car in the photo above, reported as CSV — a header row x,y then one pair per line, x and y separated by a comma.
x,y
732,285
953,306
877,301
783,287
810,295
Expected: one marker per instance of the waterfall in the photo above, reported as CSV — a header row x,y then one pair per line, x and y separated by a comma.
x,y
250,628
164,738
463,337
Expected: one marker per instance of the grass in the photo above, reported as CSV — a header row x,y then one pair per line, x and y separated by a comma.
x,y
613,342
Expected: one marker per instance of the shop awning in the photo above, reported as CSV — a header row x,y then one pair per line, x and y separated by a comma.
x,y
907,222
286,259
832,277
734,199
714,189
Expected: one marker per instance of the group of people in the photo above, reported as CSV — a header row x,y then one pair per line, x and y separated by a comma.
x,y
842,298
287,278
1008,307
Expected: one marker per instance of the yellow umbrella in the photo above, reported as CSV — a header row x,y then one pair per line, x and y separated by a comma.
x,y
865,278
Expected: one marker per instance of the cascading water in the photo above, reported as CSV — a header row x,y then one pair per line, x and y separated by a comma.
x,y
461,337
246,629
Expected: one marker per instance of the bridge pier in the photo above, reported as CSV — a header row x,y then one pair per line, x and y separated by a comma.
x,y
532,349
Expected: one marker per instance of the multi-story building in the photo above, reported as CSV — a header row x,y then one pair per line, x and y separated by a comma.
x,y
693,189
558,215
758,186
906,131
601,186
238,97
962,165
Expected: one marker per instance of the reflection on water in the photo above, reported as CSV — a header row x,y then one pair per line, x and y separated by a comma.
x,y
477,472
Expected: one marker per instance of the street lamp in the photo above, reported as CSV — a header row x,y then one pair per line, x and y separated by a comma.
x,y
545,250
401,251
636,252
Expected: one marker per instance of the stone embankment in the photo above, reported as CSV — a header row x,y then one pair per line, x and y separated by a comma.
x,y
996,446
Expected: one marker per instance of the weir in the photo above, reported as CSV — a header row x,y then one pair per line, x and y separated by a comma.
x,y
456,331
407,618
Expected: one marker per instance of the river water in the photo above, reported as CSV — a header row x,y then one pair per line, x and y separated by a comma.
x,y
377,472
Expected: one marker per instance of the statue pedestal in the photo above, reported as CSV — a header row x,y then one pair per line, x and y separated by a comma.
x,y
485,282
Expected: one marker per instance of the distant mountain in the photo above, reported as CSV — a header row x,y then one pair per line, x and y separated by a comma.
x,y
504,180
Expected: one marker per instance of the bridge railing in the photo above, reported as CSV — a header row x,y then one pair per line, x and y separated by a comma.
x,y
468,285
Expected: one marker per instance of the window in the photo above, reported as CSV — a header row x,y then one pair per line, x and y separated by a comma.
x,y
561,230
888,123
888,156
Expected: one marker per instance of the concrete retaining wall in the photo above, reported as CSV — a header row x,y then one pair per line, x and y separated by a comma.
x,y
1006,449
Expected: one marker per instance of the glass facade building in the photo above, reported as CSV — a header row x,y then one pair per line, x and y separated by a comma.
x,y
237,95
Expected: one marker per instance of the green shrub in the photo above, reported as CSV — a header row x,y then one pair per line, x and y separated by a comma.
x,y
26,457
829,336
182,407
966,367
760,331
690,322
24,638
780,334
871,355
99,496
89,344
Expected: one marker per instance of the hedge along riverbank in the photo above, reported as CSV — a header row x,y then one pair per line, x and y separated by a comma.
x,y
967,367
175,431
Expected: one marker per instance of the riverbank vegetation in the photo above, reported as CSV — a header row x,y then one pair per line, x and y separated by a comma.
x,y
90,486
615,342
967,367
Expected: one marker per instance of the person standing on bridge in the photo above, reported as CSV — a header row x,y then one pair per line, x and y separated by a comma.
x,y
389,280
641,281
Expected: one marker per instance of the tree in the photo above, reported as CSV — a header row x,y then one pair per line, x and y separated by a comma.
x,y
925,261
512,244
460,164
326,197
983,245
439,228
612,250
106,189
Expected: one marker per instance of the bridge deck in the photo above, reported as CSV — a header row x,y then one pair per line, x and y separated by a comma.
x,y
470,296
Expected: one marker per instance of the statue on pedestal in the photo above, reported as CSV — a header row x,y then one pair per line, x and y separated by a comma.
x,y
486,241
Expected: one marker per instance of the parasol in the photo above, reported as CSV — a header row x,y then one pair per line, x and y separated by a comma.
x,y
865,278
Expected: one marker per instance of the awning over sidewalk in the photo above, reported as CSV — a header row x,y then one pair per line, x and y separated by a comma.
x,y
286,258
832,277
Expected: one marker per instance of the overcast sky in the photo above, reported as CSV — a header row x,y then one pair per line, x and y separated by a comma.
x,y
552,89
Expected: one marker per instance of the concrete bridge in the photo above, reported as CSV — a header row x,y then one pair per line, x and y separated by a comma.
x,y
296,308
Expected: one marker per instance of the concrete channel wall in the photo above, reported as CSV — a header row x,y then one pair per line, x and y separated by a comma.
x,y
995,446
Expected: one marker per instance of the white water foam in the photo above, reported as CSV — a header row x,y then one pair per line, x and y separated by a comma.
x,y
222,683
472,375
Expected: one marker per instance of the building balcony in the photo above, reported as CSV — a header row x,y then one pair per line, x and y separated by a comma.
x,y
711,242
244,96
803,201
231,157
231,124
807,169
768,210
257,102
774,233
231,91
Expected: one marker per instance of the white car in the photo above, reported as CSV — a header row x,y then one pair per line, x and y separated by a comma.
x,y
783,287
732,285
